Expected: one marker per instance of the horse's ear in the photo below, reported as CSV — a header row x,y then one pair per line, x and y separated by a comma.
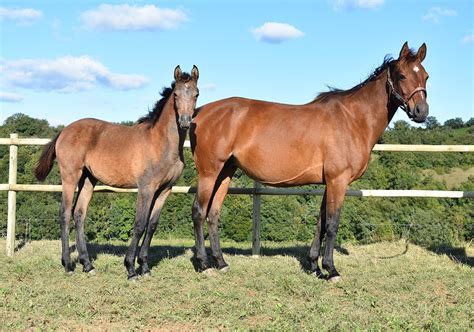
x,y
404,51
421,54
195,73
177,73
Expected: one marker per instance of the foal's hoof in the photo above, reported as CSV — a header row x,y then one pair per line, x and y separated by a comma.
x,y
147,274
70,273
335,279
91,272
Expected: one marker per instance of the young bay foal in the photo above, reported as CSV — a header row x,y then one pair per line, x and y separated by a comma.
x,y
326,141
147,156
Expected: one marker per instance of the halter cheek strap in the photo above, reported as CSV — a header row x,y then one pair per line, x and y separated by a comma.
x,y
392,91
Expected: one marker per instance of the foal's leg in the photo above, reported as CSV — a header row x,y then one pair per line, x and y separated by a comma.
x,y
318,238
86,189
335,192
144,199
199,214
152,224
213,218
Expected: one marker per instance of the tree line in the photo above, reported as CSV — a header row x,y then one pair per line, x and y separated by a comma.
x,y
426,221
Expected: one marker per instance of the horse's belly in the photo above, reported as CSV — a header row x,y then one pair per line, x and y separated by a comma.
x,y
283,174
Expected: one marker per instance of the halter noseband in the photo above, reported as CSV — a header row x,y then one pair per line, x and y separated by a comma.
x,y
392,91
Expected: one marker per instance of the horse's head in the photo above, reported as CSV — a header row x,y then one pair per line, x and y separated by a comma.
x,y
185,94
407,83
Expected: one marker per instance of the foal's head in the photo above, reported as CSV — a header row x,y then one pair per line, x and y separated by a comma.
x,y
407,82
185,95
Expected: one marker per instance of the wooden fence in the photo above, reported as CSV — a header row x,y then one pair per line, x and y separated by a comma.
x,y
12,187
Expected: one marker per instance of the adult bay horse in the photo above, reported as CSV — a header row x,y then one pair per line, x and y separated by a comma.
x,y
147,156
327,141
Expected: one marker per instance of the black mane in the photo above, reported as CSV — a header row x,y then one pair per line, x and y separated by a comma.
x,y
333,92
154,115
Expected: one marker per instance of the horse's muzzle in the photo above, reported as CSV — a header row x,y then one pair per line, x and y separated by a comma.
x,y
420,111
184,121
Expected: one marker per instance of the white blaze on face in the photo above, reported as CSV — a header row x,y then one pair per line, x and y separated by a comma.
x,y
416,69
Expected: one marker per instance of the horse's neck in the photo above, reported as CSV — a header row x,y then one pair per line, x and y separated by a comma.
x,y
374,110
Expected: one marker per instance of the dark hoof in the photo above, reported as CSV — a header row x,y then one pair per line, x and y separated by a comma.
x,y
88,269
335,279
133,279
224,269
318,274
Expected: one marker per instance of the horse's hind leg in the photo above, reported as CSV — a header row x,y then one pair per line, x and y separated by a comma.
x,y
144,199
86,189
154,217
318,238
69,183
213,218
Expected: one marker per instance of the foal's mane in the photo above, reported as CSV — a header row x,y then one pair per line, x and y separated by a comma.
x,y
388,61
154,115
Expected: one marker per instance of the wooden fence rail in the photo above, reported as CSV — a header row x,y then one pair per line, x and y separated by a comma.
x,y
12,187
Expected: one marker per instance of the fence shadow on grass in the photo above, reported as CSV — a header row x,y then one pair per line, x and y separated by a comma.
x,y
456,254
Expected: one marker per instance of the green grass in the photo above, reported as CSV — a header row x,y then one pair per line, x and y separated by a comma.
x,y
385,286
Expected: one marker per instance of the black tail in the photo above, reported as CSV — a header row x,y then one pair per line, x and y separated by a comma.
x,y
45,163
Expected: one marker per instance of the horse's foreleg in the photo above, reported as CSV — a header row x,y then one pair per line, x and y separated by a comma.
x,y
318,239
335,192
86,189
144,199
159,201
213,219
199,214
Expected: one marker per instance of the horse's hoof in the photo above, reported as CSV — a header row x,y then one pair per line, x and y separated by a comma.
x,y
69,273
335,279
147,274
225,269
210,272
91,272
318,274
133,279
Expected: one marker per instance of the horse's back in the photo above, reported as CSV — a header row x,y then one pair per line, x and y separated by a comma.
x,y
109,151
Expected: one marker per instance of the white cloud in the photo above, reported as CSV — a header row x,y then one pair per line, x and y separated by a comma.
x,y
434,14
132,18
209,87
22,16
468,39
10,97
65,74
274,32
351,4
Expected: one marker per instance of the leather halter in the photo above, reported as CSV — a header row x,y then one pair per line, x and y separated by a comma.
x,y
392,91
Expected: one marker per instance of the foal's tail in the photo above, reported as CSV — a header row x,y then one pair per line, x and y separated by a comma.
x,y
45,163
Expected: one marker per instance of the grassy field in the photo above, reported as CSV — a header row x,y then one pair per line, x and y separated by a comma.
x,y
385,286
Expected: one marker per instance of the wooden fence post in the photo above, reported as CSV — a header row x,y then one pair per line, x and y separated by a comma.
x,y
12,171
256,220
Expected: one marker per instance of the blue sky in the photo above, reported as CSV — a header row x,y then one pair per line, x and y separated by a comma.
x,y
109,60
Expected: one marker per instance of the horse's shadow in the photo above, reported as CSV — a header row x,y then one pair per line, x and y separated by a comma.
x,y
157,253
456,254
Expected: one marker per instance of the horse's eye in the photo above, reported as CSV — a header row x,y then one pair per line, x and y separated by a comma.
x,y
402,77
